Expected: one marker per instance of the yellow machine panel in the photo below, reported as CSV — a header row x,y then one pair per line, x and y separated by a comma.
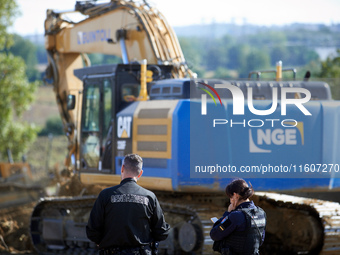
x,y
152,127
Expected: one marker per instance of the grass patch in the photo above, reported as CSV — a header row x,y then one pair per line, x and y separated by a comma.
x,y
45,155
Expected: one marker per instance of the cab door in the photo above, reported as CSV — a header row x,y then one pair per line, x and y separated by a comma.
x,y
96,122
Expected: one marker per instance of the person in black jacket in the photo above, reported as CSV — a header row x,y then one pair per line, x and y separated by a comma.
x,y
241,229
127,219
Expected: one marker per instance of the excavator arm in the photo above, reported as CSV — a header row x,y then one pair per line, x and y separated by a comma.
x,y
122,28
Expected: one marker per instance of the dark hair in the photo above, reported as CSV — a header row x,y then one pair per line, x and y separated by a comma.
x,y
133,164
239,186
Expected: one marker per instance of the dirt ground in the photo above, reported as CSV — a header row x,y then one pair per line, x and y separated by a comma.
x,y
14,229
15,221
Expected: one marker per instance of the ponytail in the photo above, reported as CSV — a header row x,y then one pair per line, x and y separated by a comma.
x,y
240,187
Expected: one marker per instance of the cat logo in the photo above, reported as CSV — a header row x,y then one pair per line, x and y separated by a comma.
x,y
124,126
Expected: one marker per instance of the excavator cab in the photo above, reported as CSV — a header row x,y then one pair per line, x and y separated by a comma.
x,y
96,117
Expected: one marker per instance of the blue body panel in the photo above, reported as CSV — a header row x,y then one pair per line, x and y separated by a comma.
x,y
195,142
315,144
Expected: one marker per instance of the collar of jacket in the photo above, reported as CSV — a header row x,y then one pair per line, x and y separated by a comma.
x,y
245,205
128,180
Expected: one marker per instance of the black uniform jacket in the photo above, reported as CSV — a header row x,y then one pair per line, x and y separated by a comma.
x,y
126,215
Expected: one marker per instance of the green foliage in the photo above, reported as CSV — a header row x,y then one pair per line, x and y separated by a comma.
x,y
222,73
28,51
102,59
16,93
313,67
17,137
256,60
53,126
192,48
200,71
330,71
250,52
8,10
238,56
299,55
330,68
266,39
41,54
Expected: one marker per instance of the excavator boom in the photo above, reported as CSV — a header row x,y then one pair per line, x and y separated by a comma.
x,y
122,28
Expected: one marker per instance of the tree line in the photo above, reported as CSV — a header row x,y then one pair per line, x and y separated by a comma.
x,y
224,57
230,57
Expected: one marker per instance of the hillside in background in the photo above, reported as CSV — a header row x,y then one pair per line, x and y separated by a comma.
x,y
44,107
215,30
46,155
230,50
321,37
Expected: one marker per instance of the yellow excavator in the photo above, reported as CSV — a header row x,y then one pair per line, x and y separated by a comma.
x,y
150,105
16,184
122,28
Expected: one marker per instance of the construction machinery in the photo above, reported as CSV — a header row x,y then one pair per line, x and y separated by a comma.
x,y
16,183
283,138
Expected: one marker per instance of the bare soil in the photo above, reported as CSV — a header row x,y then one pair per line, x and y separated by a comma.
x,y
15,221
14,230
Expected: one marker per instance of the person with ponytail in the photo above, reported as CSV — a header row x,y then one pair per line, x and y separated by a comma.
x,y
241,229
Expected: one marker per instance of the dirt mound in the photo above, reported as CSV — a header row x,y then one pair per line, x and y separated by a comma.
x,y
74,187
14,229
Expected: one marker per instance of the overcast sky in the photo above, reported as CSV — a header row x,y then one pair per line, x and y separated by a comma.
x,y
187,12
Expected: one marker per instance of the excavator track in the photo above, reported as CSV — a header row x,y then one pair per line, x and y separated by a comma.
x,y
58,225
189,217
302,225
295,225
